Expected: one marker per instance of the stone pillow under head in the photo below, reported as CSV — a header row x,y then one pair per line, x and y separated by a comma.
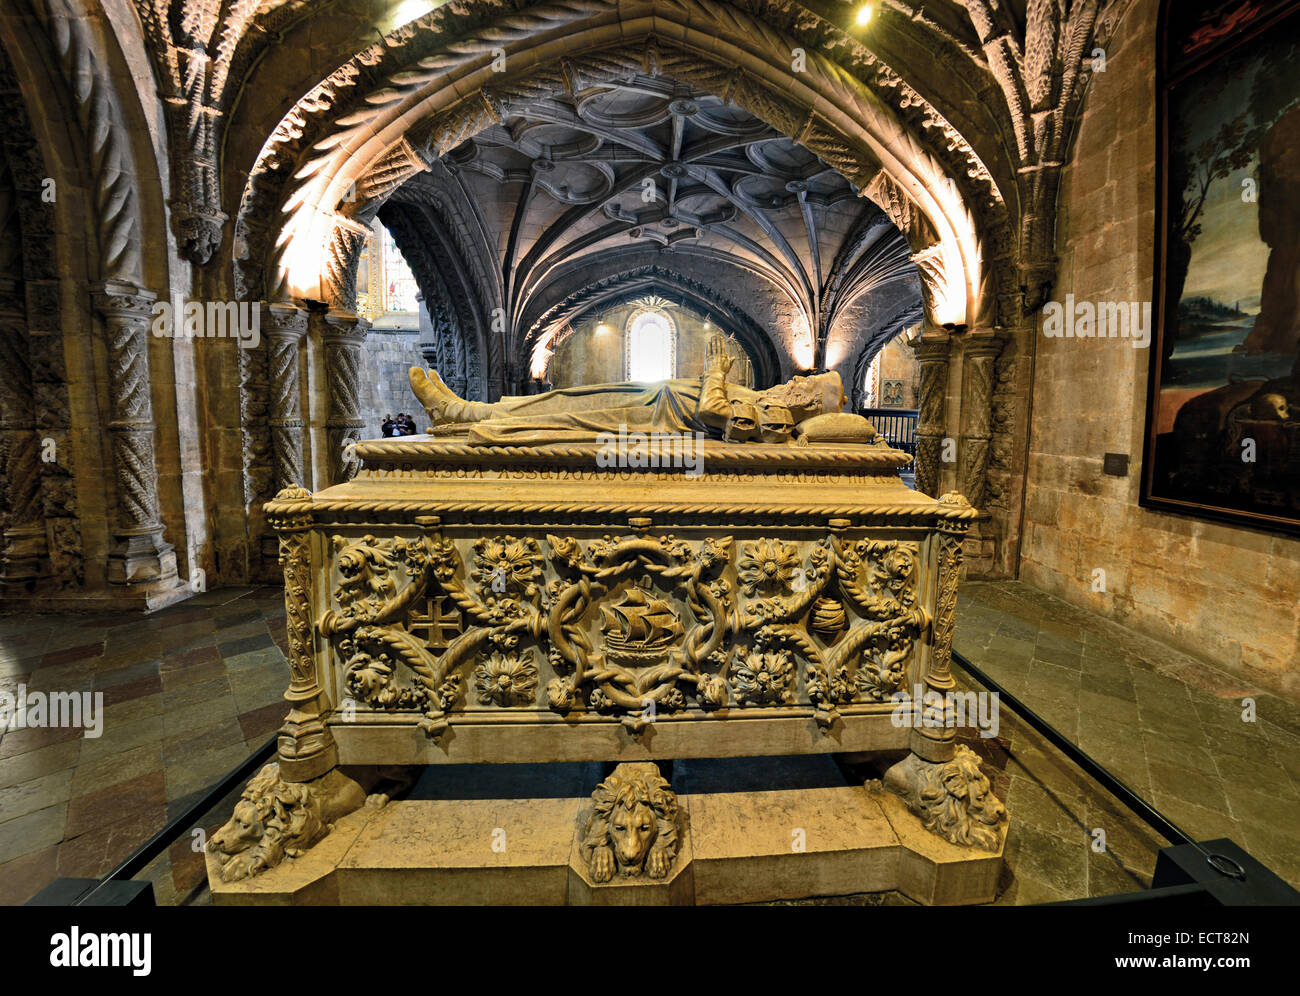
x,y
835,427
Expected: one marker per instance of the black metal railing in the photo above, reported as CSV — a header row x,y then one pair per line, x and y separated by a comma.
x,y
896,425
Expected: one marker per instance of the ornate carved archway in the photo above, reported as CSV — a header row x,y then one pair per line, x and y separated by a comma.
x,y
344,139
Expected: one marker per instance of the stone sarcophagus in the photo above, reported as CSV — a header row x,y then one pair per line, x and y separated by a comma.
x,y
732,574
461,603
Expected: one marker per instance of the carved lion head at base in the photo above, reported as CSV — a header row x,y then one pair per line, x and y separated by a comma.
x,y
272,819
633,825
953,799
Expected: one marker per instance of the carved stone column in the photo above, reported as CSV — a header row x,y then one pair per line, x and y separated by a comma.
x,y
286,326
344,333
980,352
936,741
139,554
306,746
24,557
932,353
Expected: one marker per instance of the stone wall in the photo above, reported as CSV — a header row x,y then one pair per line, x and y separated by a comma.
x,y
898,362
1227,594
385,388
588,356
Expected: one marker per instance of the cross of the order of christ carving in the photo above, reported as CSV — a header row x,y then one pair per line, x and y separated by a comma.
x,y
439,625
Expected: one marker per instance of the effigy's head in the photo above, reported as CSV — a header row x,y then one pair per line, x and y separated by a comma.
x,y
806,396
830,389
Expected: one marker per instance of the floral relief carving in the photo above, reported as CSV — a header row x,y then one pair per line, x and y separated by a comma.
x,y
769,566
632,627
764,678
506,680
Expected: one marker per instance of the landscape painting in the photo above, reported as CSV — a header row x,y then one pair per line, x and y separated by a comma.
x,y
1223,419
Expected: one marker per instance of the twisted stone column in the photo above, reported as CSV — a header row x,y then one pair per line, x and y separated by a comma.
x,y
344,333
937,741
306,747
981,350
24,557
139,554
932,353
285,327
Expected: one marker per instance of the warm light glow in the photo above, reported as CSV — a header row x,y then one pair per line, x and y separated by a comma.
x,y
603,328
540,361
409,10
864,14
803,354
834,354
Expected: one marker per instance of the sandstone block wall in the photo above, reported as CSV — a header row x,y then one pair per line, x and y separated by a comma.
x,y
386,359
1230,595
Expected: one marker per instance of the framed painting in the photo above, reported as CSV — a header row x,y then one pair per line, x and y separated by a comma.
x,y
1223,411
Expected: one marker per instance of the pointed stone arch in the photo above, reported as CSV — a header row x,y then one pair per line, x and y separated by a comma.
x,y
351,124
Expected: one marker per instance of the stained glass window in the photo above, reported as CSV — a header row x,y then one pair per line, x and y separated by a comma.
x,y
399,284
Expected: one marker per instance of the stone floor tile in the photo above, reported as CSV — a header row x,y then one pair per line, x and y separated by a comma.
x,y
35,763
22,878
113,769
259,724
35,794
96,809
32,832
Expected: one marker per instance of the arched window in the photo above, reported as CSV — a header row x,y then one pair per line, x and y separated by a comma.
x,y
399,287
651,347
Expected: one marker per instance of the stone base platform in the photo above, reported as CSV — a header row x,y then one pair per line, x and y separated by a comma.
x,y
738,847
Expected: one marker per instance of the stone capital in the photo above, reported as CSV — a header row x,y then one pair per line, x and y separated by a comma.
x,y
284,321
344,328
983,342
117,299
932,346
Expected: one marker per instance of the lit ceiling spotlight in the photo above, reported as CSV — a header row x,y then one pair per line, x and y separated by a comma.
x,y
707,325
863,15
603,327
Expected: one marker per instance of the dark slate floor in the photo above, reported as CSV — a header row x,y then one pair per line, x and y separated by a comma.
x,y
188,694
1169,726
191,691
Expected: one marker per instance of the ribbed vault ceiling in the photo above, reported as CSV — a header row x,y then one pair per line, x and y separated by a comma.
x,y
568,199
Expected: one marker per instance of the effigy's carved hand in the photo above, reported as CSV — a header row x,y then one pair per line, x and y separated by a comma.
x,y
717,359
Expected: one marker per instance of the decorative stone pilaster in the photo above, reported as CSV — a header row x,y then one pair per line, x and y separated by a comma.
x,y
285,328
307,749
932,353
139,555
935,741
24,557
343,335
980,352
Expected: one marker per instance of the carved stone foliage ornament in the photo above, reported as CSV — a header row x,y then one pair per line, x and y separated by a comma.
x,y
634,825
629,627
953,798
